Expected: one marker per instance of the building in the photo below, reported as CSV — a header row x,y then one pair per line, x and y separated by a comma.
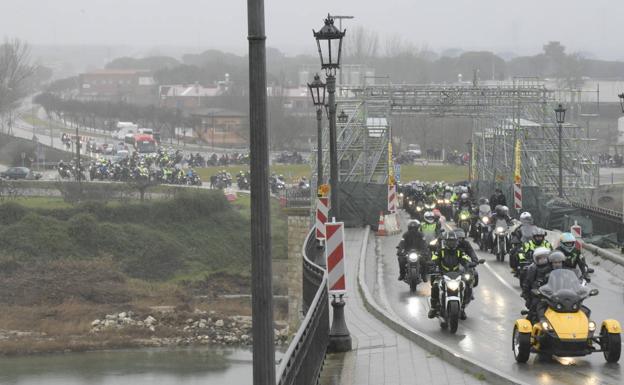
x,y
188,97
131,86
221,127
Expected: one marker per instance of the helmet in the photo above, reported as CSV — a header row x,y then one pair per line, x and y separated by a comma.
x,y
464,196
429,217
567,242
450,240
540,256
483,201
504,210
556,259
497,209
526,218
460,234
539,235
413,225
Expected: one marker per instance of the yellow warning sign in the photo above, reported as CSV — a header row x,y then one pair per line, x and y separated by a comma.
x,y
518,160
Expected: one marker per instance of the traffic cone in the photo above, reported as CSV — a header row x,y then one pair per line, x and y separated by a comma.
x,y
381,228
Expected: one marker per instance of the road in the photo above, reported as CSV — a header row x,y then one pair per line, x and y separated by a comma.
x,y
486,335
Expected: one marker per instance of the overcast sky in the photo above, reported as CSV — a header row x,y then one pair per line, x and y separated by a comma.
x,y
520,26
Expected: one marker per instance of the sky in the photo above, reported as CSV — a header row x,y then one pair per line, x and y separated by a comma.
x,y
520,26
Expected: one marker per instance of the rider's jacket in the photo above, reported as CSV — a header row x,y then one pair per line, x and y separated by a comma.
x,y
529,247
413,240
430,228
574,258
450,259
536,277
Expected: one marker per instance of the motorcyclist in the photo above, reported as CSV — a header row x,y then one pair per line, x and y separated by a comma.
x,y
430,228
463,203
412,240
501,213
537,240
574,258
521,234
449,258
497,199
466,247
536,276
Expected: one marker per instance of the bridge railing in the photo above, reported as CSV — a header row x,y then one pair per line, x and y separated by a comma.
x,y
295,197
304,358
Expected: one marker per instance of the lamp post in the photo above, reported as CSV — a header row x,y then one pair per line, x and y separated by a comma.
x,y
261,265
560,117
329,43
469,145
317,91
343,118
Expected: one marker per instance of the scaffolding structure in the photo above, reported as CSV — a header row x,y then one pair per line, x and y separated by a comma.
x,y
506,116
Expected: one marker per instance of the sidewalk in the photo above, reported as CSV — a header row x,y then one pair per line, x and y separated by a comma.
x,y
380,356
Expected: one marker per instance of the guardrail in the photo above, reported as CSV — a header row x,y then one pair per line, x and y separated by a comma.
x,y
615,215
303,361
295,197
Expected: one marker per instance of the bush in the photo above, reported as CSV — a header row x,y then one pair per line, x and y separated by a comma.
x,y
11,212
82,228
37,237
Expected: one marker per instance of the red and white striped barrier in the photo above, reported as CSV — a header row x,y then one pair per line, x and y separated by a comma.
x,y
577,231
517,188
322,211
392,198
335,258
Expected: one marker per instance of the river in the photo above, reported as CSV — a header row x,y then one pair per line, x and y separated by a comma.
x,y
206,366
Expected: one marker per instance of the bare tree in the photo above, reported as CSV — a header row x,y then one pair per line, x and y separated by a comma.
x,y
15,69
362,44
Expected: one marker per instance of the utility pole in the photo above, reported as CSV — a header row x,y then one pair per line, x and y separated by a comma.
x,y
261,269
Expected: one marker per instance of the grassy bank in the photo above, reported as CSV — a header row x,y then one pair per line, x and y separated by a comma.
x,y
292,172
62,265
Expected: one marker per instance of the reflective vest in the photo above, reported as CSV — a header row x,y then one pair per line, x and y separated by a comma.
x,y
530,246
449,260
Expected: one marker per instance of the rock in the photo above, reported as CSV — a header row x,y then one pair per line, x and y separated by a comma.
x,y
244,338
149,321
122,315
219,323
95,323
189,321
111,317
152,328
202,324
130,314
109,323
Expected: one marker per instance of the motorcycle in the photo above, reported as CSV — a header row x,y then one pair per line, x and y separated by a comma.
x,y
452,288
499,239
464,220
483,230
415,274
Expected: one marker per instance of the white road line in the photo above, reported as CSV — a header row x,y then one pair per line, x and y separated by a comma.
x,y
501,279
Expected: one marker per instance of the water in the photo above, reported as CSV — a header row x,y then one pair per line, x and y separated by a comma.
x,y
206,366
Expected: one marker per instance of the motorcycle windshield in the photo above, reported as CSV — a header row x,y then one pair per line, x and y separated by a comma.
x,y
484,210
564,283
501,223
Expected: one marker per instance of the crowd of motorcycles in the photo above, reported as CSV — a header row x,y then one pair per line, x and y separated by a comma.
x,y
551,298
277,183
163,167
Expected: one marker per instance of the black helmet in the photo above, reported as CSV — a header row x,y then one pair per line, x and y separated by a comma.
x,y
504,210
413,225
450,240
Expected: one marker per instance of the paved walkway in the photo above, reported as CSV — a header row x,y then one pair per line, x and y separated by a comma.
x,y
380,356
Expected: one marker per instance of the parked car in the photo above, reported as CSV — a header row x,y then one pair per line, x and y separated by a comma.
x,y
414,150
20,173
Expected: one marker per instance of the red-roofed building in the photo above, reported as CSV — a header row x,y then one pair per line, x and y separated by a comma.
x,y
131,86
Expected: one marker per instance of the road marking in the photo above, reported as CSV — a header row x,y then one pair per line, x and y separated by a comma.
x,y
501,279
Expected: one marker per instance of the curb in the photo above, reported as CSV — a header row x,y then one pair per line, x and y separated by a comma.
x,y
479,370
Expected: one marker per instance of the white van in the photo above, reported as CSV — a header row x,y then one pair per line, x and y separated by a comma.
x,y
124,129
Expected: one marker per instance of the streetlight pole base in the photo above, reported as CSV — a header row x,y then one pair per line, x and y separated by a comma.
x,y
339,337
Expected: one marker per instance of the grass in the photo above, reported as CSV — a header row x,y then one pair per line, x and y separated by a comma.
x,y
292,172
40,202
447,173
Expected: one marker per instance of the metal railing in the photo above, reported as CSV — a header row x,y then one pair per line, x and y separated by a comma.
x,y
303,361
295,197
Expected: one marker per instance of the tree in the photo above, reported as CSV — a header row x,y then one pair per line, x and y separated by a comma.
x,y
15,70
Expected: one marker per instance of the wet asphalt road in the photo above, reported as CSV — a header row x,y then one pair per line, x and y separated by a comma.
x,y
486,335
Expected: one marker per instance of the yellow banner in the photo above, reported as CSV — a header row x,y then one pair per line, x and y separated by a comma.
x,y
518,160
390,164
473,162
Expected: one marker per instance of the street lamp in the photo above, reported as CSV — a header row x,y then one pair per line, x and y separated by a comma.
x,y
317,91
329,43
469,145
560,117
621,96
343,118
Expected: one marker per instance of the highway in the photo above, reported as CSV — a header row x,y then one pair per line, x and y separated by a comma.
x,y
486,335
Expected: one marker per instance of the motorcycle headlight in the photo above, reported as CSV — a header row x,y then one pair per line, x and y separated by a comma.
x,y
592,326
400,195
418,208
413,257
499,229
463,217
467,277
485,220
452,285
440,201
546,325
447,201
433,243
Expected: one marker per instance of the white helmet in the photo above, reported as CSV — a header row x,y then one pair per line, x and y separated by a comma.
x,y
464,196
526,218
540,256
429,217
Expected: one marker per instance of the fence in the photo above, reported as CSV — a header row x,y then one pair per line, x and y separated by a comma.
x,y
303,361
295,197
